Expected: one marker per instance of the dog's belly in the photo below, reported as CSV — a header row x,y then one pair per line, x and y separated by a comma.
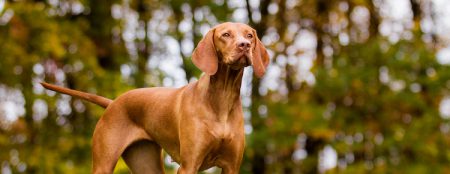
x,y
162,130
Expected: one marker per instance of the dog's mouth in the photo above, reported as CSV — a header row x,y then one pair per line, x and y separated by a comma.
x,y
240,60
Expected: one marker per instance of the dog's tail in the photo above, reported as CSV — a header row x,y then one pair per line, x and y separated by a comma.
x,y
99,100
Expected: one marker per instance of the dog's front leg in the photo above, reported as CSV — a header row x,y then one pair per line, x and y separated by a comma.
x,y
232,154
195,144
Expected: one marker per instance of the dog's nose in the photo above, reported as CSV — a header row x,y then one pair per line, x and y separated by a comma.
x,y
244,45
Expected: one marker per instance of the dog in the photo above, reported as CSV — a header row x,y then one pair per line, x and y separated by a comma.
x,y
199,125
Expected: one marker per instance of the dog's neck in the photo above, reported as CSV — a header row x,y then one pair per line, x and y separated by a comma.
x,y
222,90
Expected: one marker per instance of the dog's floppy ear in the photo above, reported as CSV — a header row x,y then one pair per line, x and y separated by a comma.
x,y
205,56
260,58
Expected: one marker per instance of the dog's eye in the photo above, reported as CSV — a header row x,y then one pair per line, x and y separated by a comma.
x,y
249,35
226,34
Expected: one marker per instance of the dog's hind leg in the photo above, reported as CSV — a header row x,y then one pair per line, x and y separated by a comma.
x,y
144,157
111,138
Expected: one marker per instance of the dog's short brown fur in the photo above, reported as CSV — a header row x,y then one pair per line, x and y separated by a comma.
x,y
200,125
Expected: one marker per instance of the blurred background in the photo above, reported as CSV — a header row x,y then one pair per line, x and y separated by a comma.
x,y
354,86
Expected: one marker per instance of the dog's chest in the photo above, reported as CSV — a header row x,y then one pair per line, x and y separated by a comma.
x,y
219,131
221,136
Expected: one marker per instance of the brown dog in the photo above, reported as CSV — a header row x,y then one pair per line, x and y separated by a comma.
x,y
199,125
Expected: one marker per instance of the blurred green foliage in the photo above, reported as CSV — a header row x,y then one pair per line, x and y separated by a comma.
x,y
369,102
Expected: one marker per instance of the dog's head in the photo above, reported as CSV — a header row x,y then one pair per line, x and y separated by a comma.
x,y
232,44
